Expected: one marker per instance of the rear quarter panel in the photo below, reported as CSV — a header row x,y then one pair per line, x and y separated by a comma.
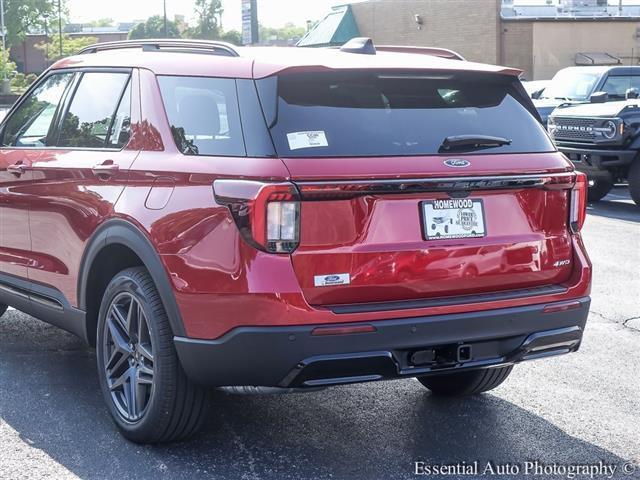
x,y
169,196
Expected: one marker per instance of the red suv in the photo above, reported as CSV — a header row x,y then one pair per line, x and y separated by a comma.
x,y
215,216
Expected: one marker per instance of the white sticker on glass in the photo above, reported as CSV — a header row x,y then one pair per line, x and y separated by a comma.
x,y
313,139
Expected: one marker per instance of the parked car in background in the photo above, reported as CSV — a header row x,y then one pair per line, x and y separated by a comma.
x,y
602,140
535,88
587,84
208,215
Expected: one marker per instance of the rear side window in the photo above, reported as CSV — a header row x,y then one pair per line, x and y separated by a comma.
x,y
617,85
29,125
388,114
94,118
203,114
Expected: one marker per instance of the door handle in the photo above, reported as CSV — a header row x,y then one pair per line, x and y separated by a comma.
x,y
106,169
17,169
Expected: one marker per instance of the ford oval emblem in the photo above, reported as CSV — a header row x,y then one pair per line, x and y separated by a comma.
x,y
332,278
457,163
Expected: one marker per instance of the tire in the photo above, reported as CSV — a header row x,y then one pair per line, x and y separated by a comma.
x,y
600,188
3,308
169,406
634,181
466,383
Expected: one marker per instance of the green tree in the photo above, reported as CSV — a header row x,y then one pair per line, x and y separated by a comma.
x,y
208,13
102,22
70,46
20,82
154,28
7,67
290,31
21,16
232,36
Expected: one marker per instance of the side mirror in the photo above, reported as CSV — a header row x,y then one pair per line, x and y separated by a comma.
x,y
537,94
632,93
599,97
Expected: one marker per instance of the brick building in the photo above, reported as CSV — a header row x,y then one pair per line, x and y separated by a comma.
x,y
30,59
538,39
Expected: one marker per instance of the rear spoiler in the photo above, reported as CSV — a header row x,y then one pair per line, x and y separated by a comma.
x,y
437,52
433,51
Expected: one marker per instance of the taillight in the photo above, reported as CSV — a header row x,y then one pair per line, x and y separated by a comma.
x,y
282,226
267,214
578,211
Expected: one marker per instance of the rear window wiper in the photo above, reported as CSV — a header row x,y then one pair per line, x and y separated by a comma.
x,y
471,142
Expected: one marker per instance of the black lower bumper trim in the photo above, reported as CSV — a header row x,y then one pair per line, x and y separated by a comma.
x,y
445,301
589,159
291,357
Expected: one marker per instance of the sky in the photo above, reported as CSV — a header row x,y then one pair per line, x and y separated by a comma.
x,y
272,13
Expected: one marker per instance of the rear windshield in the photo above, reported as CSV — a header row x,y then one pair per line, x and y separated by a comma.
x,y
386,114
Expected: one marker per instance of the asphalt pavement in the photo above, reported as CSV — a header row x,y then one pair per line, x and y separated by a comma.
x,y
579,409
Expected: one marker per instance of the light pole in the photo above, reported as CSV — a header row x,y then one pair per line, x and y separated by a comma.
x,y
5,89
166,29
4,44
46,37
60,27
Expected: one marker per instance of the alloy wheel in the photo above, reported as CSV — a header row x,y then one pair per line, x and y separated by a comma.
x,y
128,357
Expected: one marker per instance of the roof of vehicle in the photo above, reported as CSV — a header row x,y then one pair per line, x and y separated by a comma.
x,y
260,62
602,69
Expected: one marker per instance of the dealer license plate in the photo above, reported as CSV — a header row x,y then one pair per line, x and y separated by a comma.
x,y
453,218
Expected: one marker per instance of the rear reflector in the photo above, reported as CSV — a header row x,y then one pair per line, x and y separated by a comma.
x,y
561,307
321,331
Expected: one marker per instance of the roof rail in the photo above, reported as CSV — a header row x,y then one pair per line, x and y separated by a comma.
x,y
433,51
179,45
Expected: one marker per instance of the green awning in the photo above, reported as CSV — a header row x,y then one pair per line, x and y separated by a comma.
x,y
337,28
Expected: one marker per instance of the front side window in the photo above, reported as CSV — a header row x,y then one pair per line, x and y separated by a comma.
x,y
94,119
616,86
29,125
203,114
335,114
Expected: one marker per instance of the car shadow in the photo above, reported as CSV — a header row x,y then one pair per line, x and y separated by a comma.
x,y
50,400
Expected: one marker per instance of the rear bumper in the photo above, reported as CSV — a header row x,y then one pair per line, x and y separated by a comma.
x,y
292,357
591,160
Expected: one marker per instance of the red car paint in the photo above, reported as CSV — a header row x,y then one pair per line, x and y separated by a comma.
x,y
219,281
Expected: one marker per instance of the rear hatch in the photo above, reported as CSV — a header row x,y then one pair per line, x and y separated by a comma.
x,y
418,186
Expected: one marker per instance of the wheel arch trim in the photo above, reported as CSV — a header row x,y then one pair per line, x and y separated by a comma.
x,y
125,233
